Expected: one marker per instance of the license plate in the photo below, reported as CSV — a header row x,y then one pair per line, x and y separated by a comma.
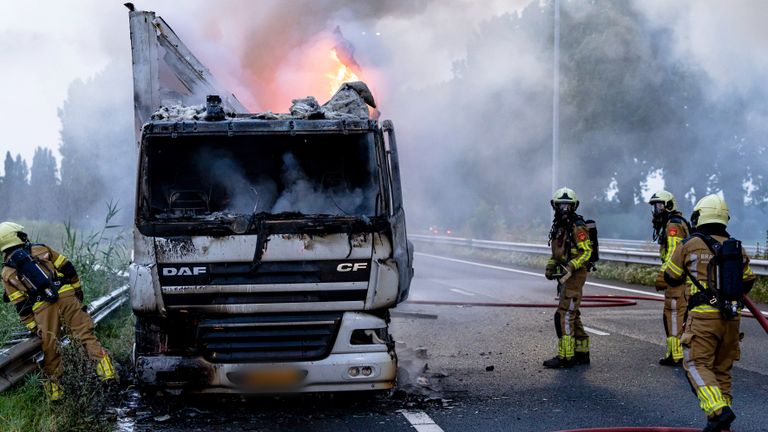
x,y
271,378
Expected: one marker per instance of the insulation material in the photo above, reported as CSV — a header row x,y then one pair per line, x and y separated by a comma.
x,y
351,101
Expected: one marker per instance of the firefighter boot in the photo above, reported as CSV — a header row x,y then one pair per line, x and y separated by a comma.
x,y
720,422
581,358
52,390
581,353
558,362
669,361
564,359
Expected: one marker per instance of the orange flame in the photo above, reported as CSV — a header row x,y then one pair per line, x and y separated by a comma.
x,y
342,74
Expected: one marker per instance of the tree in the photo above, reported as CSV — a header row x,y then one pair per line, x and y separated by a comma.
x,y
44,185
15,186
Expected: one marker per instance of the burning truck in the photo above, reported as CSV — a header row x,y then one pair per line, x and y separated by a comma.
x,y
268,248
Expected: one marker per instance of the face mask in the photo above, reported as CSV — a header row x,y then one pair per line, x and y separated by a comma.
x,y
659,209
695,218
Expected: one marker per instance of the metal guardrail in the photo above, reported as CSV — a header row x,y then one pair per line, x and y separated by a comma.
x,y
624,255
21,357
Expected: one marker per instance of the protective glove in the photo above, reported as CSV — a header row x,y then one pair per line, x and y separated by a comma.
x,y
660,283
568,273
549,272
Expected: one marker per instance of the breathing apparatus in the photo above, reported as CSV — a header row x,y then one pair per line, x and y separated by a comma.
x,y
564,202
41,285
663,205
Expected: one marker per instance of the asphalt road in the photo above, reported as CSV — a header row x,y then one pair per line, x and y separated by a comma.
x,y
471,368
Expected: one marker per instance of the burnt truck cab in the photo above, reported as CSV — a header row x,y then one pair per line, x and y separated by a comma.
x,y
267,254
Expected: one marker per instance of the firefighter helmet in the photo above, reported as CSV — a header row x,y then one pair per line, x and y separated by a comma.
x,y
666,198
9,235
710,209
565,196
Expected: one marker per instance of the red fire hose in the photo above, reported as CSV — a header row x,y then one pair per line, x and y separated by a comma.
x,y
756,313
634,429
592,301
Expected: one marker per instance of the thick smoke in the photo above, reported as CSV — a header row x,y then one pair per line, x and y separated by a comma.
x,y
244,195
303,195
647,88
293,192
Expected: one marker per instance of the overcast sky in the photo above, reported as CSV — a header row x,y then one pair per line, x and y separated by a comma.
x,y
43,47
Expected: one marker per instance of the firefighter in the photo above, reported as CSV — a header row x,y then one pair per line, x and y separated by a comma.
x,y
45,288
669,229
571,250
711,337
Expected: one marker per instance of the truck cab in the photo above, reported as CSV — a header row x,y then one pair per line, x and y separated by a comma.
x,y
267,253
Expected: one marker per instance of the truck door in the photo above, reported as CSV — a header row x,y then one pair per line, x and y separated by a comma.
x,y
402,248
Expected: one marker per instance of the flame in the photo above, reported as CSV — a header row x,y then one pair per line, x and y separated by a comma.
x,y
342,74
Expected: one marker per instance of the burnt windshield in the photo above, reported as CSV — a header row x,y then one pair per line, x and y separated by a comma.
x,y
199,176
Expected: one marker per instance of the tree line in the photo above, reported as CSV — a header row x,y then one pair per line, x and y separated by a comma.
x,y
31,191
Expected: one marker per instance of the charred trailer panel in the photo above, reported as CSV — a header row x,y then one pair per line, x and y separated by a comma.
x,y
267,254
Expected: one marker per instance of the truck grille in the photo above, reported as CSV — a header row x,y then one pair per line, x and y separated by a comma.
x,y
225,298
268,338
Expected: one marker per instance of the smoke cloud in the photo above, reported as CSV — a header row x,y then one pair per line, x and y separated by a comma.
x,y
652,93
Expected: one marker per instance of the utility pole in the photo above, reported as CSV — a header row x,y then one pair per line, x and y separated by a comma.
x,y
556,101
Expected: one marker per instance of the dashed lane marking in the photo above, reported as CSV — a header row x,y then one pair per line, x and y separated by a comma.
x,y
461,291
421,421
595,331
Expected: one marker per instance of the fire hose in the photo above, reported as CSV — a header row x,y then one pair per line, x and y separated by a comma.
x,y
634,429
591,301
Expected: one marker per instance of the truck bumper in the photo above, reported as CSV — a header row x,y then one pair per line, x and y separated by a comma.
x,y
195,374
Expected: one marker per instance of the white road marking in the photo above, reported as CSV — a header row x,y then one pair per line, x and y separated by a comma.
x,y
460,291
595,331
537,274
421,421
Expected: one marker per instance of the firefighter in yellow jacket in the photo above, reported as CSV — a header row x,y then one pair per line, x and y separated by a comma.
x,y
45,288
571,250
669,229
717,276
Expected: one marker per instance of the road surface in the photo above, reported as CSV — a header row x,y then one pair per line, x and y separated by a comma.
x,y
479,369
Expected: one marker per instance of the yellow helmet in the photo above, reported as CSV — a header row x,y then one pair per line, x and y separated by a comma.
x,y
710,209
565,196
9,235
669,201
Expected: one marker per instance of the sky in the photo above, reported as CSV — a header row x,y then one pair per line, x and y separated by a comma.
x,y
44,46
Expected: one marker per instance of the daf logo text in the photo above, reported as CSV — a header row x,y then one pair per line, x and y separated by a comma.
x,y
184,271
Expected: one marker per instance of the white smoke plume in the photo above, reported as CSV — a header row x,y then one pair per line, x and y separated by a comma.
x,y
469,90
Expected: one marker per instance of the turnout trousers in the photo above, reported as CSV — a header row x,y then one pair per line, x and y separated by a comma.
x,y
710,346
675,307
68,311
570,332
